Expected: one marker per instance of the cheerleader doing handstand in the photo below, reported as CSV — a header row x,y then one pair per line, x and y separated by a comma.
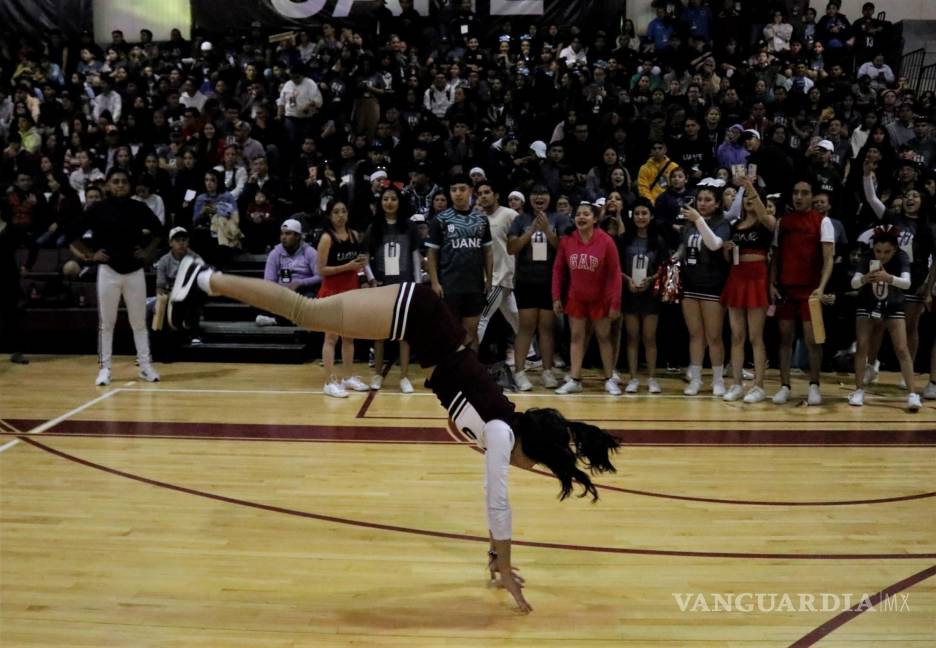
x,y
475,403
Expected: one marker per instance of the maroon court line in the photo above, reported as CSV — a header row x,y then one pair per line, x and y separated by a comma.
x,y
709,500
169,437
460,536
842,618
372,394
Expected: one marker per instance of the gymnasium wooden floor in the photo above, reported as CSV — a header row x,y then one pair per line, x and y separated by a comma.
x,y
234,505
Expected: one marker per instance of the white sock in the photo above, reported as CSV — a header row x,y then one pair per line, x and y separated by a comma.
x,y
204,280
695,372
718,373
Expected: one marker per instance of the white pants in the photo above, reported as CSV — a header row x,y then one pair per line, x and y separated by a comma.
x,y
132,286
500,298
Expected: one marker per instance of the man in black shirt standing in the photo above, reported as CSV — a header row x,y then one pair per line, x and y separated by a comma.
x,y
125,233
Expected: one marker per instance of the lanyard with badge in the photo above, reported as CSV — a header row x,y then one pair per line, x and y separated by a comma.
x,y
391,259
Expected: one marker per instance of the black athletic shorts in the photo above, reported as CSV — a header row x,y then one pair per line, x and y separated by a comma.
x,y
533,296
466,304
424,320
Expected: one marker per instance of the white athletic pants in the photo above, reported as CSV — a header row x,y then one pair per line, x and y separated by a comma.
x,y
499,298
111,285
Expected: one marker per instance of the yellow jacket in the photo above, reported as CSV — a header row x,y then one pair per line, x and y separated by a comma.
x,y
649,172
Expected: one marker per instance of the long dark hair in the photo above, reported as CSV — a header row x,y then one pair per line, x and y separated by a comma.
x,y
548,438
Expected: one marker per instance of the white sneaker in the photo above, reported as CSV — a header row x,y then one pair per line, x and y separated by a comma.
x,y
148,374
747,374
902,384
335,390
871,373
782,395
755,395
549,379
930,392
406,386
510,358
571,386
733,394
695,386
718,389
913,402
653,386
612,387
523,383
616,377
265,320
633,385
376,382
815,396
856,399
355,384
103,377
559,363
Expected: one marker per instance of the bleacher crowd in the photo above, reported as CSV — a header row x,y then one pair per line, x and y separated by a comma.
x,y
731,174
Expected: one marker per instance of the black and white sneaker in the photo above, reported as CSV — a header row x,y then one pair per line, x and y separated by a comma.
x,y
185,295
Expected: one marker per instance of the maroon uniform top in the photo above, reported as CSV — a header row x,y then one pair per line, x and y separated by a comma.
x,y
461,383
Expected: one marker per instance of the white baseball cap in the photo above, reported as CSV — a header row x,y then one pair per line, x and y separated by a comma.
x,y
379,174
418,218
752,133
516,194
475,170
539,147
176,231
826,144
291,225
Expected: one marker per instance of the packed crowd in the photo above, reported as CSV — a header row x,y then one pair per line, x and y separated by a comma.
x,y
753,159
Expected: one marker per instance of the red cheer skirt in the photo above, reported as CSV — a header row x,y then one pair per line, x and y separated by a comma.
x,y
746,286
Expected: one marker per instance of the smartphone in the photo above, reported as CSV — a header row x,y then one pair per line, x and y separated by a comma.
x,y
875,265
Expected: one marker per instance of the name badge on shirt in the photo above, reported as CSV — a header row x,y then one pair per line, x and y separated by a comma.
x,y
391,259
639,269
540,247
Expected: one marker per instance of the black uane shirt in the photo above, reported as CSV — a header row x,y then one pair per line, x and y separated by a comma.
x,y
119,226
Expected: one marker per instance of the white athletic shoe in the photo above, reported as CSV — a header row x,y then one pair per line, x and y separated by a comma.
x,y
148,374
782,395
559,363
376,382
633,385
694,387
913,403
549,379
103,378
335,390
733,394
755,395
718,389
747,374
815,396
406,386
653,386
856,398
616,377
930,392
510,358
354,383
523,383
570,386
265,320
871,373
612,387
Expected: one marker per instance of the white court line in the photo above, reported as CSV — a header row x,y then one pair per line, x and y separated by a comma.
x,y
39,429
381,392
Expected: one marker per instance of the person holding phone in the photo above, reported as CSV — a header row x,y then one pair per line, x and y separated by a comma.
x,y
704,276
745,294
881,283
341,257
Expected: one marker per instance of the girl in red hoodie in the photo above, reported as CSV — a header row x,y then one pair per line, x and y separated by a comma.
x,y
588,272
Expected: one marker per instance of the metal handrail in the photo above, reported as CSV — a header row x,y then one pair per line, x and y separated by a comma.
x,y
911,65
927,79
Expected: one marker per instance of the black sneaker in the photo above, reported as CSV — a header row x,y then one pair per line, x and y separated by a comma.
x,y
185,295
